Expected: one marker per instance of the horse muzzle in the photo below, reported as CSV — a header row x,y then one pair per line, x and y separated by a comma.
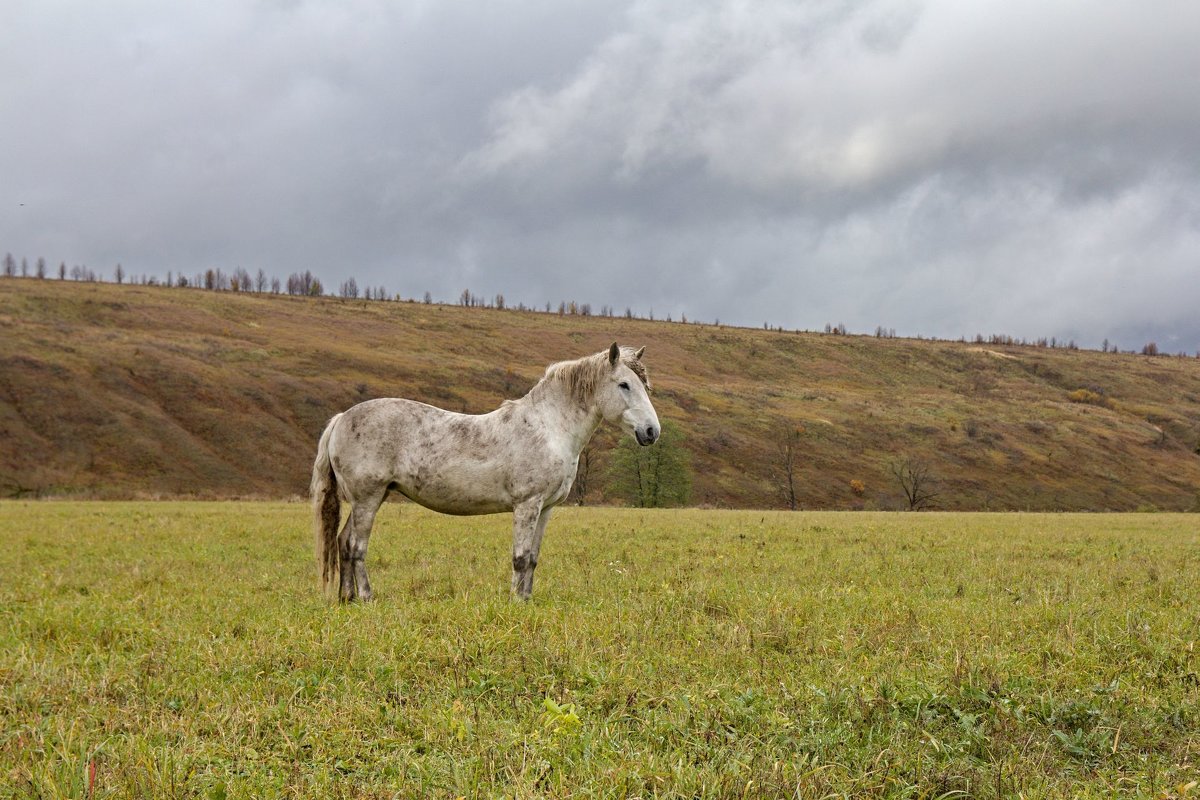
x,y
646,437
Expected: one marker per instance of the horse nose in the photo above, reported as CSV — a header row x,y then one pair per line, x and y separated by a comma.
x,y
651,433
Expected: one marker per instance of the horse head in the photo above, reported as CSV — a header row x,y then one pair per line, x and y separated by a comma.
x,y
623,396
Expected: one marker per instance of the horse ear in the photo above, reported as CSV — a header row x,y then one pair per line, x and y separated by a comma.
x,y
638,355
614,354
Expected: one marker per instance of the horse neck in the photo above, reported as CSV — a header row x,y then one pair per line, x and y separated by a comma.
x,y
564,414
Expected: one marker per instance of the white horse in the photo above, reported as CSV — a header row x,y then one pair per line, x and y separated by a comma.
x,y
521,457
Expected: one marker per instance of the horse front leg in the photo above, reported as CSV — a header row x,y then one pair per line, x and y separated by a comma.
x,y
525,547
538,533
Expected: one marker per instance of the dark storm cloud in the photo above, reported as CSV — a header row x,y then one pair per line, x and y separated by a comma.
x,y
942,167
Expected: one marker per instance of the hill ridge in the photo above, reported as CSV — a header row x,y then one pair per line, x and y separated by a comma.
x,y
120,391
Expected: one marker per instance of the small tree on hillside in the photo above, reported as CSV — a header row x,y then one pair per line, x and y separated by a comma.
x,y
652,477
916,481
583,474
785,466
244,282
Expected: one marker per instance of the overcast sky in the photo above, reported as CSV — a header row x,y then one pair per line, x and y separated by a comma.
x,y
1029,167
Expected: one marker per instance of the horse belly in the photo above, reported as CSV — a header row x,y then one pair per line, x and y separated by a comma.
x,y
462,491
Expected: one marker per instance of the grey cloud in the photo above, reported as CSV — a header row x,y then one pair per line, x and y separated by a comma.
x,y
936,167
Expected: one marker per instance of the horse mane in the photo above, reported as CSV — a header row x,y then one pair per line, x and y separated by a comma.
x,y
583,375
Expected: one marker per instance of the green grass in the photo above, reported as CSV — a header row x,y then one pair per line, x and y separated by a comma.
x,y
182,650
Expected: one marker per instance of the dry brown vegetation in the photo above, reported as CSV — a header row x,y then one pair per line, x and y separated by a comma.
x,y
116,391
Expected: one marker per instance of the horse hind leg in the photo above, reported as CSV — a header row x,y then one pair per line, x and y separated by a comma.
x,y
346,591
355,583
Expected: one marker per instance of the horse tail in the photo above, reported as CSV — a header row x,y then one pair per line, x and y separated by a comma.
x,y
327,510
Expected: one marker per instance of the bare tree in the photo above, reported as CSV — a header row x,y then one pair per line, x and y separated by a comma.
x,y
917,482
787,452
10,266
119,274
582,473
244,282
260,281
304,284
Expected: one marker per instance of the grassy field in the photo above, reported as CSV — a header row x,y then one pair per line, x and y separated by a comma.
x,y
182,650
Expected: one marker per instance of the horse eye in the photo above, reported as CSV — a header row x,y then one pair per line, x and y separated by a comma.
x,y
624,385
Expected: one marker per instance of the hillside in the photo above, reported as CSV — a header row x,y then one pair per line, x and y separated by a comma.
x,y
116,391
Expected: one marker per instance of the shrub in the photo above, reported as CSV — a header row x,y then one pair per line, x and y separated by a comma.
x,y
858,487
1088,397
652,477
